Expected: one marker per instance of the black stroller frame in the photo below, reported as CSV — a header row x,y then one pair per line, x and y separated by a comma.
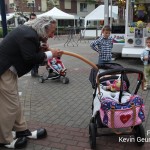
x,y
95,121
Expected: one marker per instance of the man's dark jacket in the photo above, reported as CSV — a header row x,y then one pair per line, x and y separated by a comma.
x,y
21,49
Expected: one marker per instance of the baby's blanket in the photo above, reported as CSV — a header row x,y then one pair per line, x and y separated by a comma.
x,y
108,94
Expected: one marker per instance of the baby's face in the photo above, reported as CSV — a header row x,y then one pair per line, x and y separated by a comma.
x,y
148,43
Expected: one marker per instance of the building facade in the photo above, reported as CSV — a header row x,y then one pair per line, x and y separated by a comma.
x,y
23,5
76,7
80,8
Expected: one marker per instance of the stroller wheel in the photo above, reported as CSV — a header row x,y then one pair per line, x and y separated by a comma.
x,y
65,80
139,134
92,120
92,136
41,80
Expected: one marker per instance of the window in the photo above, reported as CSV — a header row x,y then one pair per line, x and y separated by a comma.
x,y
30,4
67,4
56,2
11,1
11,5
83,7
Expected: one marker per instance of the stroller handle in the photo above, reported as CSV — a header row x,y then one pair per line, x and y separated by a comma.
x,y
80,57
122,72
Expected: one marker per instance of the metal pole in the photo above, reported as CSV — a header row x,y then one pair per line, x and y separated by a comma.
x,y
33,6
3,15
106,12
111,13
127,11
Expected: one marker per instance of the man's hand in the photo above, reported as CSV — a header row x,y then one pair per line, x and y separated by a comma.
x,y
56,52
44,46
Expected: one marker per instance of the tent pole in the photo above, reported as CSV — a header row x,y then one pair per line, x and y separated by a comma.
x,y
74,26
57,27
57,36
127,19
97,30
111,13
106,12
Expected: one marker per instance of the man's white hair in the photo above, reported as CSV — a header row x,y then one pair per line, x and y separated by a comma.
x,y
41,24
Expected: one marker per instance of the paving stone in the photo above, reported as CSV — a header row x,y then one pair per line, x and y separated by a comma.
x,y
65,109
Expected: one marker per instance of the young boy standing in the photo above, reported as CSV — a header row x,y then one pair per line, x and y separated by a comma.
x,y
103,45
145,57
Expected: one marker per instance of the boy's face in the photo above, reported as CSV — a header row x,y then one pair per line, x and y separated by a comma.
x,y
148,43
32,17
106,33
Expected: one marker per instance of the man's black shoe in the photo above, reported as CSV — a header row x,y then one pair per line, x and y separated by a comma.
x,y
1,144
17,143
24,133
38,134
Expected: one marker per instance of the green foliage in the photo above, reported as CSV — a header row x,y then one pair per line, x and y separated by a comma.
x,y
1,32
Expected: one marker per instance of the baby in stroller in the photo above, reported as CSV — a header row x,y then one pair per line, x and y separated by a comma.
x,y
113,105
56,70
111,88
57,64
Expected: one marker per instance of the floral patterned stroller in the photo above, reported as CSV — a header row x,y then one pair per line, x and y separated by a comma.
x,y
116,109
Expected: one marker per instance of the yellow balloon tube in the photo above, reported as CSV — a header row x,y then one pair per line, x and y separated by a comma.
x,y
80,57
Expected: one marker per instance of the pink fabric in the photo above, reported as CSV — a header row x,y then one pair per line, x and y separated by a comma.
x,y
122,118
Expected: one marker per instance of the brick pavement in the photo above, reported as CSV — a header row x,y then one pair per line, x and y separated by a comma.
x,y
65,110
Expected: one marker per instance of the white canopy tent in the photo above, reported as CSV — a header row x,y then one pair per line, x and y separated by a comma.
x,y
57,14
98,14
8,16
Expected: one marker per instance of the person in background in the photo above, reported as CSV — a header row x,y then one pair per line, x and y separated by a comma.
x,y
19,51
34,71
103,45
145,57
32,16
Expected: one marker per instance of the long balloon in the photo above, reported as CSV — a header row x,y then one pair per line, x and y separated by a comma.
x,y
86,61
80,57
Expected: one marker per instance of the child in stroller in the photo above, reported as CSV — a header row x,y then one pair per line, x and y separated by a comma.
x,y
57,64
113,105
56,70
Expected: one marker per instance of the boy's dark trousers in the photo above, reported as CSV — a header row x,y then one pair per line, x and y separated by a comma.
x,y
35,70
